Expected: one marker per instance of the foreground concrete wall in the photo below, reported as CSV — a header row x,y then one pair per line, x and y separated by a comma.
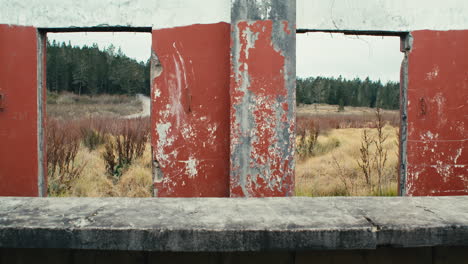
x,y
233,225
228,230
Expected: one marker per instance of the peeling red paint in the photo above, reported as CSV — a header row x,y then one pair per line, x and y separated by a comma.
x,y
190,111
286,27
18,120
258,89
438,84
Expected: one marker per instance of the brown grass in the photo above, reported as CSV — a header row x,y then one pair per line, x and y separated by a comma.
x,y
126,143
79,128
327,116
63,142
334,168
75,169
71,106
94,181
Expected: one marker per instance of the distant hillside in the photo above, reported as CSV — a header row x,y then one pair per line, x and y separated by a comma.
x,y
344,92
88,70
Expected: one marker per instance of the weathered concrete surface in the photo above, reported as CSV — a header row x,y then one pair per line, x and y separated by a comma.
x,y
221,224
382,15
262,98
113,13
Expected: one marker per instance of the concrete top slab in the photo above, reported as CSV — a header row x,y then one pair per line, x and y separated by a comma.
x,y
227,224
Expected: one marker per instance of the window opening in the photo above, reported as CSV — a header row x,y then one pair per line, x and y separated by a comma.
x,y
98,107
347,130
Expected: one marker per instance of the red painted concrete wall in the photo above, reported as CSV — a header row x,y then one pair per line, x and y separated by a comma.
x,y
261,157
18,120
222,117
190,110
437,157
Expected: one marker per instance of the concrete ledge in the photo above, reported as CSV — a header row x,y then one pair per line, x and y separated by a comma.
x,y
228,225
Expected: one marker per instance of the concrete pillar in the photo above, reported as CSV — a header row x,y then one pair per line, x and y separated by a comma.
x,y
262,98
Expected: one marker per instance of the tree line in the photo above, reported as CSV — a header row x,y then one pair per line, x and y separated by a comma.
x,y
342,92
89,70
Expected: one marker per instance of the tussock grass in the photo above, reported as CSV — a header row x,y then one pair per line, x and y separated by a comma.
x,y
94,181
77,145
319,176
80,130
332,168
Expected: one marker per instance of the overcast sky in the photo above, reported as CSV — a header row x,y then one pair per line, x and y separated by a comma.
x,y
318,54
325,54
135,45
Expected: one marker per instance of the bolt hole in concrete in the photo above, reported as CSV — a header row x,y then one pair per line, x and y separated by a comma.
x,y
98,107
348,99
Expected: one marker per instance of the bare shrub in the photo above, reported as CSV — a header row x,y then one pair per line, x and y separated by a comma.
x,y
126,143
380,152
365,159
93,131
373,161
307,132
63,142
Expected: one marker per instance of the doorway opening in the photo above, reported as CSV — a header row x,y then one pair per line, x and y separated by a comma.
x,y
348,118
97,126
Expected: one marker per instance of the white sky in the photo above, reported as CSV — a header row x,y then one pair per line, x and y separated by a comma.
x,y
318,54
325,54
135,45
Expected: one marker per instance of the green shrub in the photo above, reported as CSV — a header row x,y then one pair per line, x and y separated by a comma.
x,y
92,138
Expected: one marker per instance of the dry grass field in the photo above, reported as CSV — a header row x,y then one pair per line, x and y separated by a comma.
x,y
93,152
94,181
72,106
330,150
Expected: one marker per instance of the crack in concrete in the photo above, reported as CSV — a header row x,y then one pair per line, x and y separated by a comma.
x,y
93,214
430,211
375,227
83,221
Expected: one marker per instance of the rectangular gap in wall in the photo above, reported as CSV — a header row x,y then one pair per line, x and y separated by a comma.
x,y
348,100
98,110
